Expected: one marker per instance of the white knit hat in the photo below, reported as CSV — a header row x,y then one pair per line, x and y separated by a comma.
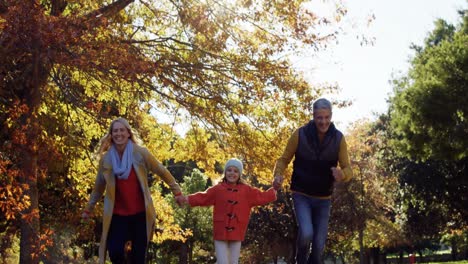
x,y
236,163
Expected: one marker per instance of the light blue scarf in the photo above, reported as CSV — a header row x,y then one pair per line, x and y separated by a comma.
x,y
121,168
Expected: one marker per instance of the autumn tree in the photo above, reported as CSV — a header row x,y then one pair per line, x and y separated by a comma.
x,y
364,208
217,65
271,234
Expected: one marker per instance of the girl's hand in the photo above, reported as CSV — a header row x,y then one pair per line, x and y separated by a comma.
x,y
277,182
181,200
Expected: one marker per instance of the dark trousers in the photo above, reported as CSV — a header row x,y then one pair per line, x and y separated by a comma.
x,y
123,229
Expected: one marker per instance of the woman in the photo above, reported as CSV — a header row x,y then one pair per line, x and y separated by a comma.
x,y
129,214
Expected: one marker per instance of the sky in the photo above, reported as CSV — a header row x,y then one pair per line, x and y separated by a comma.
x,y
363,71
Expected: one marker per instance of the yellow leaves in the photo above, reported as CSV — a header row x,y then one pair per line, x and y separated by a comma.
x,y
166,229
217,61
371,186
384,233
210,149
203,147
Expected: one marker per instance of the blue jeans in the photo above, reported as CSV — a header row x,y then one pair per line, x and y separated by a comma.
x,y
127,228
312,216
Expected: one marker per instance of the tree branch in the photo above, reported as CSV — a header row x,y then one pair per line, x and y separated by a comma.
x,y
109,10
3,7
57,7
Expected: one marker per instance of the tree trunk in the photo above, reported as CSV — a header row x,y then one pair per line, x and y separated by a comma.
x,y
465,253
421,257
30,74
183,253
31,96
361,246
190,253
342,259
30,222
384,258
454,251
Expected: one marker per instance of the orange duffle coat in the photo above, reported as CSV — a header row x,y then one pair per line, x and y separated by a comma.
x,y
232,205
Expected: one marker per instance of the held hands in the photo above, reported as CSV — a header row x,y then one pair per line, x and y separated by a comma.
x,y
277,182
181,200
337,174
85,216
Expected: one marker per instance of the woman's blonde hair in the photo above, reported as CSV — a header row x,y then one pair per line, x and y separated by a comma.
x,y
106,141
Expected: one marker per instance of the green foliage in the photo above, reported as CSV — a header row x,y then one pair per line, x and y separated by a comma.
x,y
427,135
432,192
429,111
199,220
428,128
450,262
9,246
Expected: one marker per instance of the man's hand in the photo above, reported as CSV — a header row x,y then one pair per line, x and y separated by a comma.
x,y
85,216
277,182
337,174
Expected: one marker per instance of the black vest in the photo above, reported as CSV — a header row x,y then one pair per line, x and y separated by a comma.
x,y
313,161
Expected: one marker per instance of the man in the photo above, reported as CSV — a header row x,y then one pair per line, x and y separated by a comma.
x,y
318,147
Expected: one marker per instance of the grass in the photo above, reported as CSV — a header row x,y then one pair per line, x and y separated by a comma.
x,y
451,262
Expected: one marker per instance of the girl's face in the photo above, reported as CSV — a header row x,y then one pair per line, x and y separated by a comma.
x,y
322,119
232,174
120,135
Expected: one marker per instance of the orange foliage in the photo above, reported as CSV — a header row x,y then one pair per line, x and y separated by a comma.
x,y
67,67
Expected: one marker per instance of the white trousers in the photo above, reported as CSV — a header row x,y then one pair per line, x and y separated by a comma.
x,y
227,252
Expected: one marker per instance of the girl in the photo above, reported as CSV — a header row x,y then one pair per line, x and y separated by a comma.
x,y
232,199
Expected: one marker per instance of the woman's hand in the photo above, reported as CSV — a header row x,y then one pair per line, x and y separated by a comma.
x,y
181,200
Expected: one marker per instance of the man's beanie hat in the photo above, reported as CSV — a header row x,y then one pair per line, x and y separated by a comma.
x,y
236,163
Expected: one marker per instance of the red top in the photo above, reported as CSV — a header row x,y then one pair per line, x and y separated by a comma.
x,y
128,196
232,205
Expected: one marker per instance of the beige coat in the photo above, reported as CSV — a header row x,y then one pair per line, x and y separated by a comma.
x,y
143,163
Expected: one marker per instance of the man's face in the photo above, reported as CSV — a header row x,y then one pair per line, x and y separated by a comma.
x,y
322,120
